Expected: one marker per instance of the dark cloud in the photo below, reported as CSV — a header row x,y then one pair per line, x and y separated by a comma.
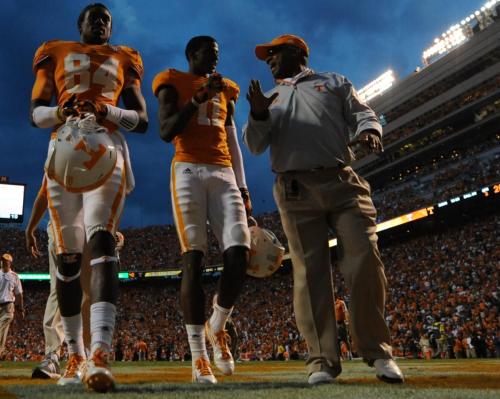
x,y
360,39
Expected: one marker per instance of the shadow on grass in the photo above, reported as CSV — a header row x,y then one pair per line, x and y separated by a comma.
x,y
227,386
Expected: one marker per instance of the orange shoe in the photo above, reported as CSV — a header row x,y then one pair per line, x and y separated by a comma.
x,y
97,376
222,355
72,375
202,372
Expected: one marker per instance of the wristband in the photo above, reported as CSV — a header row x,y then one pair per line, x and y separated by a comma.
x,y
125,118
45,117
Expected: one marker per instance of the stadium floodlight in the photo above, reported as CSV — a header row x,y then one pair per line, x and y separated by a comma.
x,y
378,86
457,34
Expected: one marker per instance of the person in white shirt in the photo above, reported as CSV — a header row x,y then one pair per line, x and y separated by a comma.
x,y
10,291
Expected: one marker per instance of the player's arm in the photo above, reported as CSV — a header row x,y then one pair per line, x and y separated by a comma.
x,y
236,157
134,101
37,212
43,115
172,119
132,118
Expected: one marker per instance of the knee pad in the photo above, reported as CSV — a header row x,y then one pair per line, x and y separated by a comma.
x,y
102,244
68,267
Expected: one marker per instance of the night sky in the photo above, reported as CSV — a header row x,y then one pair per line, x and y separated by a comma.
x,y
360,39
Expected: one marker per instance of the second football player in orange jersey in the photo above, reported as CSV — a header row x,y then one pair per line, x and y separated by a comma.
x,y
89,76
207,184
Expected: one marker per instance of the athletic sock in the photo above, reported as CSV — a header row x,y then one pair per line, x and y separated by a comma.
x,y
102,326
219,316
196,339
73,334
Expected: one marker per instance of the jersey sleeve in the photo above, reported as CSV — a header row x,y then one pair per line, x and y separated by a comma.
x,y
43,53
233,90
162,79
136,65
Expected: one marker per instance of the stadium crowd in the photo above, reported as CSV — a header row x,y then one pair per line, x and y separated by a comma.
x,y
438,181
421,187
435,114
443,301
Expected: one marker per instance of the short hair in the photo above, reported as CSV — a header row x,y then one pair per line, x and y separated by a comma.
x,y
195,44
81,17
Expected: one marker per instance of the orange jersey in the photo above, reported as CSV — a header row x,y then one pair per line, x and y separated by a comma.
x,y
204,139
91,72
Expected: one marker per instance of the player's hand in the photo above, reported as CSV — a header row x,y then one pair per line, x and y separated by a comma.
x,y
67,109
245,194
98,109
366,143
210,89
23,315
31,245
259,103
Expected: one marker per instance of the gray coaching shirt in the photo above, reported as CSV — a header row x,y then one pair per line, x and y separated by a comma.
x,y
311,122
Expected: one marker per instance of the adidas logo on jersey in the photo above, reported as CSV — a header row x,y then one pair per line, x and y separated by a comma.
x,y
187,171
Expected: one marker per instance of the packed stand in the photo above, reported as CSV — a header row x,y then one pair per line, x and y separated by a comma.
x,y
443,301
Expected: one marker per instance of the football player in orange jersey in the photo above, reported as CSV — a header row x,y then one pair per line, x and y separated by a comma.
x,y
89,75
196,111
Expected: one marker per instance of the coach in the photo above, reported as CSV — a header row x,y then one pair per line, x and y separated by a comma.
x,y
10,291
309,120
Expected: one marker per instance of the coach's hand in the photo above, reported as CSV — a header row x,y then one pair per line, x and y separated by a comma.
x,y
365,143
259,103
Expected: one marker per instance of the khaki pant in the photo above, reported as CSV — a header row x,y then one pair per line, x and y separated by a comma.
x,y
310,204
6,317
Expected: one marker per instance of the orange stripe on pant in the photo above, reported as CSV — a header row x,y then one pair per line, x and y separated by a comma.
x,y
179,222
116,203
56,226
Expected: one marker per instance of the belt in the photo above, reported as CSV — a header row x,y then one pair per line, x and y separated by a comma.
x,y
335,168
5,303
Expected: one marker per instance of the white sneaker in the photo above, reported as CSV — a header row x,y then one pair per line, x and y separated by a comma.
x,y
72,374
96,375
202,372
222,355
388,371
48,368
320,377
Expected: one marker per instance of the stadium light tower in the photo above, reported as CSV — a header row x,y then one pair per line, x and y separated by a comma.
x,y
378,86
459,33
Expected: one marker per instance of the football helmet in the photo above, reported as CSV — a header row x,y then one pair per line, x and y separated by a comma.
x,y
266,252
82,156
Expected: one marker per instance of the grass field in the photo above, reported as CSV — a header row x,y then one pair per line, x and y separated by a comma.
x,y
435,379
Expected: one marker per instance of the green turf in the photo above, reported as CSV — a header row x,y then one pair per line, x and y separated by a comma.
x,y
279,380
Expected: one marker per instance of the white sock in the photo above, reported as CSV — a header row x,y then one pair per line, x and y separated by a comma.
x,y
219,316
196,339
73,334
102,326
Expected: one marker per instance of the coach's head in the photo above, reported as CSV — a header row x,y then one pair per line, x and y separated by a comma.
x,y
286,55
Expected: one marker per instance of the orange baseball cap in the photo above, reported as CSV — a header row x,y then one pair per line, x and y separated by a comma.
x,y
261,49
7,257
